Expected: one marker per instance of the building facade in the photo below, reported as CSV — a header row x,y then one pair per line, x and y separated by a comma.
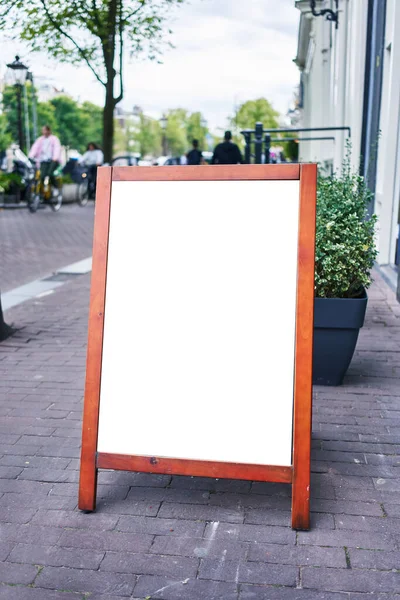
x,y
350,78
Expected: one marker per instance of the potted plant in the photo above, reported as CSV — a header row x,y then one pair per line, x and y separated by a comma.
x,y
345,254
10,186
70,188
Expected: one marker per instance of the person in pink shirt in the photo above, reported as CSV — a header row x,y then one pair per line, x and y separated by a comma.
x,y
46,151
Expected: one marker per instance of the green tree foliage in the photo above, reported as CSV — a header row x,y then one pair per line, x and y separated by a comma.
x,y
92,123
70,122
255,111
175,132
182,128
45,113
74,124
5,137
148,137
195,130
95,33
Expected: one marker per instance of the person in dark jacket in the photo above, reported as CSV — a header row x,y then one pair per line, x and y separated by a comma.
x,y
227,153
194,156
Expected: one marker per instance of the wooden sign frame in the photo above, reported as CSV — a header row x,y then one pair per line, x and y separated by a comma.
x,y
299,473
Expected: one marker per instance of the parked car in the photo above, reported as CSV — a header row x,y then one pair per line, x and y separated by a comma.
x,y
126,160
165,161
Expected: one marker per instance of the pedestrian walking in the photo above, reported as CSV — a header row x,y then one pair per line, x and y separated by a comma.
x,y
227,152
194,157
92,159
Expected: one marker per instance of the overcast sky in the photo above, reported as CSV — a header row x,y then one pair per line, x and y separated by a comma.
x,y
226,52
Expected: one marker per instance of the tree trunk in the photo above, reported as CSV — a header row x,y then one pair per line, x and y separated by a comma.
x,y
108,124
109,55
5,330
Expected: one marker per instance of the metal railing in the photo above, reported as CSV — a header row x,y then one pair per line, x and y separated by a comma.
x,y
261,139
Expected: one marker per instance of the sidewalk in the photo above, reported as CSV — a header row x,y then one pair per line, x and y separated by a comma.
x,y
179,538
33,246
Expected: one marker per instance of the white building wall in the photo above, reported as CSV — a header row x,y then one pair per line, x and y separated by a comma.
x,y
334,82
388,170
354,86
317,92
334,96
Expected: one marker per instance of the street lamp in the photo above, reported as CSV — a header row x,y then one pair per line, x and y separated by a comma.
x,y
29,77
17,72
164,123
203,123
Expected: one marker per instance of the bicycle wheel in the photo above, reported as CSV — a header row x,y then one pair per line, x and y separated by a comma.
x,y
83,194
56,200
34,202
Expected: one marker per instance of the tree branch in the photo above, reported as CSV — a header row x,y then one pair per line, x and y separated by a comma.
x,y
8,10
134,12
96,16
65,34
121,55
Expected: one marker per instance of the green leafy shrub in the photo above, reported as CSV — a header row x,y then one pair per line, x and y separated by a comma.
x,y
10,180
66,179
345,244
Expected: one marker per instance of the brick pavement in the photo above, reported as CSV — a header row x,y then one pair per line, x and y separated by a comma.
x,y
32,246
181,538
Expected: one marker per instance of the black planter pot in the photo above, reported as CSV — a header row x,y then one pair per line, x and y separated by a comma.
x,y
337,322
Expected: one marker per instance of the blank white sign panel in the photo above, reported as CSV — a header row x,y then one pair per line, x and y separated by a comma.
x,y
199,329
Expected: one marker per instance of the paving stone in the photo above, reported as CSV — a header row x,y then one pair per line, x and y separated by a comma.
x,y
281,518
268,517
385,484
17,574
5,549
252,500
211,485
49,475
29,533
373,524
350,580
193,589
10,472
298,555
36,461
199,512
350,539
105,540
178,495
56,557
16,514
150,564
252,592
133,479
107,597
250,533
63,518
373,559
199,547
159,526
85,581
29,593
392,510
350,508
128,507
245,572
